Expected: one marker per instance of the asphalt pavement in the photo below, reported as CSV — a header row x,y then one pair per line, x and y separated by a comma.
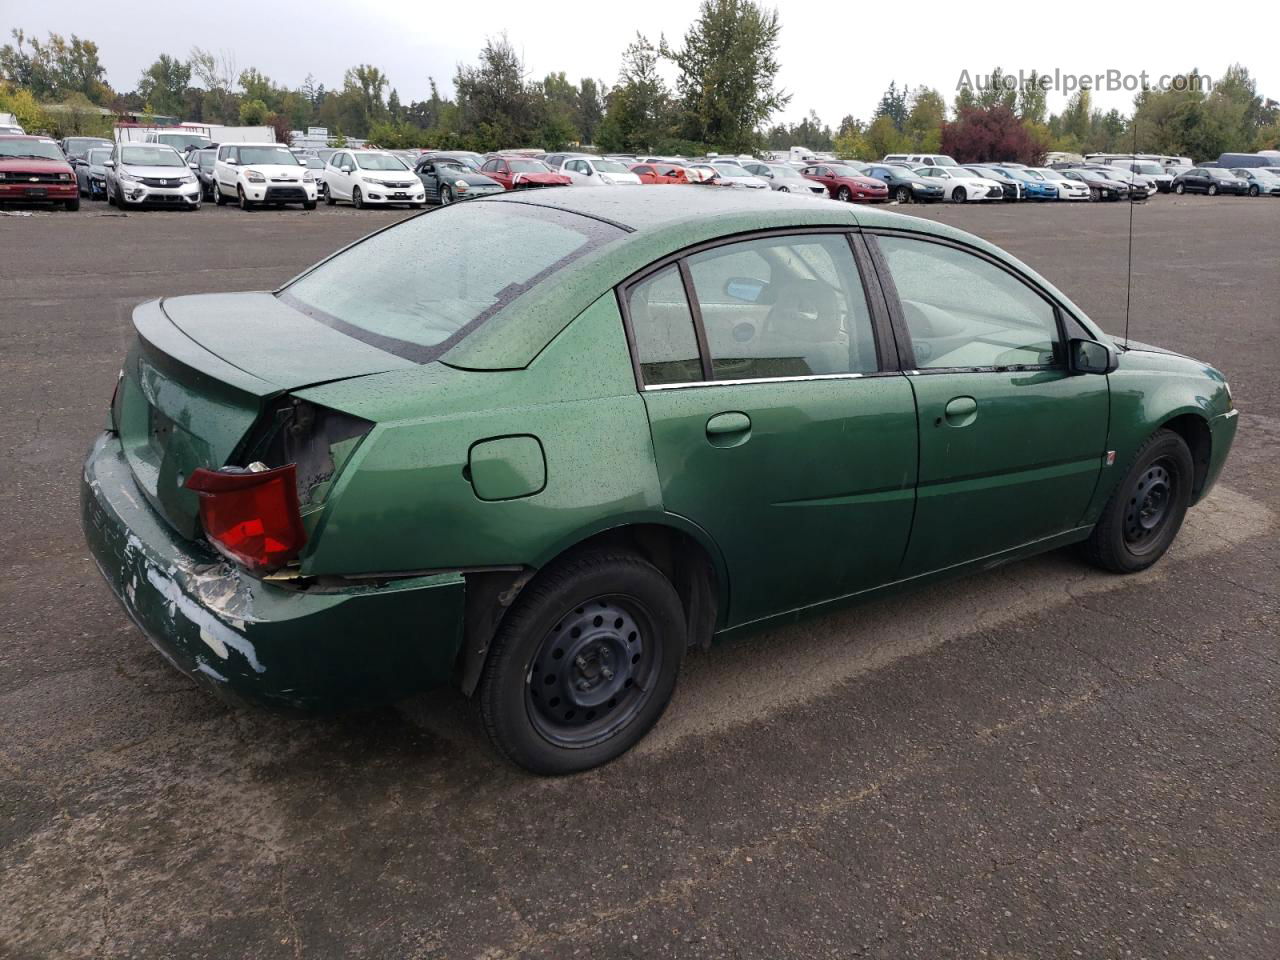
x,y
1039,761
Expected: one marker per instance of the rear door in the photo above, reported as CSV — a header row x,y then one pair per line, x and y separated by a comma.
x,y
1011,442
780,422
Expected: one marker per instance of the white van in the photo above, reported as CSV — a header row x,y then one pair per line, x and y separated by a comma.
x,y
921,159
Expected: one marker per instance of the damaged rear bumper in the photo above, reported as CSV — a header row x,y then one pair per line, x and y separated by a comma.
x,y
257,640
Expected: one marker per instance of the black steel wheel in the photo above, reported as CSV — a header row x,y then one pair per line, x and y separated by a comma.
x,y
1146,510
584,663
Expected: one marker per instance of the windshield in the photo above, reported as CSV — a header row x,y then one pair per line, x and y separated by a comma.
x,y
277,155
1220,173
379,161
313,163
844,170
962,173
482,256
41,149
1090,174
180,141
785,172
80,146
1023,174
98,155
529,166
727,169
984,172
1149,168
609,166
151,155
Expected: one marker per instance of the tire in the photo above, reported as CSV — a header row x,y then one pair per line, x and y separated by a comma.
x,y
1253,191
1180,189
245,205
111,197
902,195
844,195
446,195
73,205
328,198
958,195
1146,510
784,189
308,204
219,198
357,198
1213,190
554,714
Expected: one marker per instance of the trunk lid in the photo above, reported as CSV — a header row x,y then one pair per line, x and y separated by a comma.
x,y
201,372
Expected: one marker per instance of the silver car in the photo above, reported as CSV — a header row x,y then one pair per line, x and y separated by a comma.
x,y
150,173
784,178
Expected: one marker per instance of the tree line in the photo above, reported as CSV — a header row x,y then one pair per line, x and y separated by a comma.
x,y
723,99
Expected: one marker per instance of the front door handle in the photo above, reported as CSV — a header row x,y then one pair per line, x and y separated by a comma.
x,y
961,411
728,429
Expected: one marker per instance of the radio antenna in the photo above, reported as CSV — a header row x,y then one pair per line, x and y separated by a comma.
x,y
1133,176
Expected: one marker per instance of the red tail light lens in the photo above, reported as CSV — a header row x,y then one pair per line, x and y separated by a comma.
x,y
252,518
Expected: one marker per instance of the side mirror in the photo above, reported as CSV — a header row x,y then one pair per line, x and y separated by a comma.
x,y
1090,356
109,164
193,165
232,161
345,169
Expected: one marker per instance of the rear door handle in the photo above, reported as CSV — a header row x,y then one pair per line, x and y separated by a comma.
x,y
729,429
961,411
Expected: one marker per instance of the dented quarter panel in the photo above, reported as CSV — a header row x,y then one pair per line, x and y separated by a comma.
x,y
404,502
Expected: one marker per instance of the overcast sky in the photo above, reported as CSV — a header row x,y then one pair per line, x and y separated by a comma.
x,y
828,67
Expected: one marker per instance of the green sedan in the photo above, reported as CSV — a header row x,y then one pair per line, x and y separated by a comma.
x,y
537,446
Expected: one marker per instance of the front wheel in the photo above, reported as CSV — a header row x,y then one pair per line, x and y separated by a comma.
x,y
844,195
446,196
1145,512
357,198
308,204
584,663
1213,190
1180,189
244,201
73,205
1253,191
219,198
958,195
902,195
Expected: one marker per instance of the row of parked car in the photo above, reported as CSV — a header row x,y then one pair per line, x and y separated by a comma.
x,y
130,174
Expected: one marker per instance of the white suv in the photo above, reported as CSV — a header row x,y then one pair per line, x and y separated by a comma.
x,y
371,177
254,173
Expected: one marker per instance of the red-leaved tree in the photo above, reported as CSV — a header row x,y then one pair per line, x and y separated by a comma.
x,y
985,134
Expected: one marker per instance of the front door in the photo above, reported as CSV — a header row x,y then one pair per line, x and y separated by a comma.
x,y
784,436
1011,442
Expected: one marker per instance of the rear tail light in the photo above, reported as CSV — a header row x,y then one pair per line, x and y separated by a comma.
x,y
251,517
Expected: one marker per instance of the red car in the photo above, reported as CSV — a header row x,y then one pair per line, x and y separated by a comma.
x,y
846,183
33,170
660,173
520,173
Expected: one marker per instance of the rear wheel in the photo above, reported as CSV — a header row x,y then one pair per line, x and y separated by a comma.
x,y
844,194
1146,511
584,663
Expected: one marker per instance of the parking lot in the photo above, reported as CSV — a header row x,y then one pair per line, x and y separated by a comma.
x,y
1039,761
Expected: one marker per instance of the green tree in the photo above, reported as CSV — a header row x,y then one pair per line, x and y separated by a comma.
x,y
496,107
1033,100
925,120
164,85
591,94
893,104
883,138
56,68
640,114
728,66
254,113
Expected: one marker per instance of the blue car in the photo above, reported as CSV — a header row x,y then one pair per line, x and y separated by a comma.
x,y
1037,187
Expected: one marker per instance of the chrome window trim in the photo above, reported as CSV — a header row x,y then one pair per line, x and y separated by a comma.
x,y
739,383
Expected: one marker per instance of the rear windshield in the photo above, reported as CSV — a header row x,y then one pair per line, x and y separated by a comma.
x,y
419,287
